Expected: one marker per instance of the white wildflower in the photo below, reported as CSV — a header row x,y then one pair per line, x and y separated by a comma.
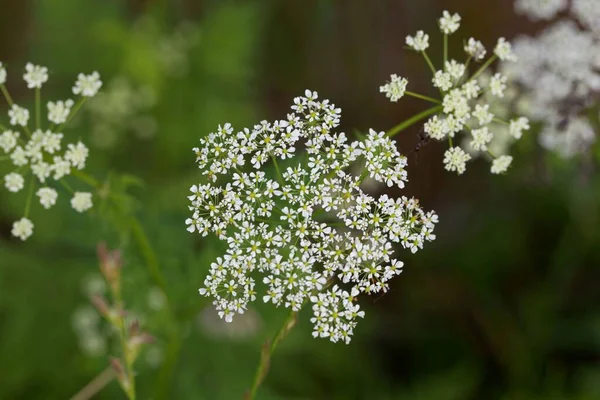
x,y
35,76
498,85
501,164
449,23
87,85
442,80
481,138
76,155
58,112
47,197
517,127
395,88
14,182
18,115
504,51
419,42
2,74
475,49
81,201
8,140
455,159
22,228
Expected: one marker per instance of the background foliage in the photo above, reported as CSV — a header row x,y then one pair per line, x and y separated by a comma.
x,y
504,305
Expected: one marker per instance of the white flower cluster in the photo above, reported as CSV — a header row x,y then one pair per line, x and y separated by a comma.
x,y
559,72
40,154
463,107
295,235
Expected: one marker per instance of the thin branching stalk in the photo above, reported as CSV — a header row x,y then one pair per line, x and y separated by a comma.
x,y
96,385
413,120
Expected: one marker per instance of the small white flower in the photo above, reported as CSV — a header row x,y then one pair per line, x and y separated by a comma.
x,y
2,74
419,42
455,69
518,126
455,159
47,197
19,157
395,88
504,51
18,115
22,228
14,182
35,76
59,112
8,140
501,164
435,128
42,170
481,137
475,49
61,167
442,80
498,85
76,155
81,201
483,115
87,85
449,23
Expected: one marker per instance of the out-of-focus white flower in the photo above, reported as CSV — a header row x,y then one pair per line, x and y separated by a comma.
x,y
58,112
22,228
419,42
504,50
81,201
18,115
14,182
87,85
500,165
2,74
47,197
541,9
35,76
76,155
449,23
475,49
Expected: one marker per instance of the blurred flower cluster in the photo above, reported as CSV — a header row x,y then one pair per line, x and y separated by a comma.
x,y
465,99
127,104
311,226
558,73
38,153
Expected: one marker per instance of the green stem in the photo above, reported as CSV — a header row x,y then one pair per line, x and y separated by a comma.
x,y
413,120
82,176
29,196
500,121
423,97
96,385
484,67
281,181
38,110
428,60
72,114
491,154
67,186
267,352
9,99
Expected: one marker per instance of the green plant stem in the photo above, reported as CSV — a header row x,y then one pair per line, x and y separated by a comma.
x,y
484,67
29,196
38,110
428,60
9,99
281,181
423,97
267,352
174,346
129,385
96,385
413,120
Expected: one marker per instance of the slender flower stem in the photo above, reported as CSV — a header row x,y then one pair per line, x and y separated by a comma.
x,y
96,385
491,154
500,121
72,113
9,99
128,385
428,60
423,97
267,351
67,186
484,67
281,181
38,110
450,141
82,176
413,120
29,196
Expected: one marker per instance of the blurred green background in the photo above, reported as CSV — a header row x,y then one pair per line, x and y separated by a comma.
x,y
505,304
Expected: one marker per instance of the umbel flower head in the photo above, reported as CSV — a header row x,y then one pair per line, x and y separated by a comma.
x,y
463,107
37,153
557,76
310,235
